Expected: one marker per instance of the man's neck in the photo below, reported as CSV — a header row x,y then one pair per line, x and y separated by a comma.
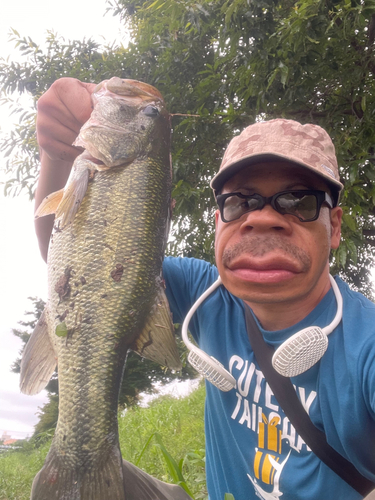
x,y
277,316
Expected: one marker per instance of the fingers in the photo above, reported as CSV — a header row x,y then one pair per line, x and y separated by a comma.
x,y
62,111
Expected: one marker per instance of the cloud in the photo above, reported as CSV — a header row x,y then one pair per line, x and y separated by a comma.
x,y
20,401
18,412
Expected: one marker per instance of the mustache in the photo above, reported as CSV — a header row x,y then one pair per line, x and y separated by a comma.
x,y
258,246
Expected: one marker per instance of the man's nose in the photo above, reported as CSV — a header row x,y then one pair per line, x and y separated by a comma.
x,y
266,219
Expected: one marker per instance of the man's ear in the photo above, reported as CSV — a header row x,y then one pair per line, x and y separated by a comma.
x,y
336,218
217,215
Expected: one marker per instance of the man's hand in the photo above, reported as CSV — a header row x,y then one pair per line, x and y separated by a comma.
x,y
62,111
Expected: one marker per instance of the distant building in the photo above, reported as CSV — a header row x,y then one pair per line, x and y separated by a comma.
x,y
5,436
10,441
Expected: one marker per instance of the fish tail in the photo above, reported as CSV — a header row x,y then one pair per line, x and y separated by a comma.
x,y
60,481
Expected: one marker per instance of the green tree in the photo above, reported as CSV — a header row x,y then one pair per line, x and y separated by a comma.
x,y
28,325
231,62
140,374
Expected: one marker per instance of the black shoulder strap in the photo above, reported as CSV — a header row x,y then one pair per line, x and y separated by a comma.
x,y
286,396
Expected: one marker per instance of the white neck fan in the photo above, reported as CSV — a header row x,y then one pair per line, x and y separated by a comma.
x,y
296,355
209,367
306,347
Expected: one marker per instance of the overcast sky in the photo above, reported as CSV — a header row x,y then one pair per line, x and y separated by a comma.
x,y
22,271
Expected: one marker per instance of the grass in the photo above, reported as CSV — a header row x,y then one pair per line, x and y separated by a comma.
x,y
17,471
166,440
171,434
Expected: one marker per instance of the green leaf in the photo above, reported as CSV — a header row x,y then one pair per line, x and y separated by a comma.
x,y
352,250
172,466
272,78
350,222
342,254
312,40
61,330
284,74
363,103
152,5
144,448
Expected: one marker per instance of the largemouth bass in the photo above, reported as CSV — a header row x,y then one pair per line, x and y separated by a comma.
x,y
105,290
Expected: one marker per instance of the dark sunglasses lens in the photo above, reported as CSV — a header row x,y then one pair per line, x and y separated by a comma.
x,y
235,206
303,206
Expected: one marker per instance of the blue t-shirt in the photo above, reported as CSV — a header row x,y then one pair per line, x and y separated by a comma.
x,y
252,451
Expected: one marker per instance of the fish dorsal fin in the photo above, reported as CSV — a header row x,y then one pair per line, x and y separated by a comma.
x,y
38,360
66,202
157,341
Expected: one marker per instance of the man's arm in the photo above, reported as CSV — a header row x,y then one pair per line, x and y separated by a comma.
x,y
62,111
52,177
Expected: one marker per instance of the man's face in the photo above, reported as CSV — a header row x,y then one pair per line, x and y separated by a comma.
x,y
265,257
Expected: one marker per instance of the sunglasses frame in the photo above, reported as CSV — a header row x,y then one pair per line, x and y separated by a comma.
x,y
321,197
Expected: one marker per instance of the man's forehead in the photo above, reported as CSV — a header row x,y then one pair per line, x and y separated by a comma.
x,y
289,174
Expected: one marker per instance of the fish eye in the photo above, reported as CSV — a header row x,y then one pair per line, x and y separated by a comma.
x,y
151,111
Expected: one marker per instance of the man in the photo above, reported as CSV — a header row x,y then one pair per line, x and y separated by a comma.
x,y
277,189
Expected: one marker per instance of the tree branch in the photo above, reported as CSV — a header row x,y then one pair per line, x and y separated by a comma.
x,y
368,232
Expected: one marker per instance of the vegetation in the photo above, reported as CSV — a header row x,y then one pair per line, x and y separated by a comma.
x,y
164,429
166,440
231,62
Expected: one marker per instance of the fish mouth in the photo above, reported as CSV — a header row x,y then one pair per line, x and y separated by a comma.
x,y
99,164
86,155
129,94
91,154
136,92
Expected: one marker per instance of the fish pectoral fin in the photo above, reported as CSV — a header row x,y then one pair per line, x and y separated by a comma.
x,y
157,341
50,204
38,360
66,202
73,196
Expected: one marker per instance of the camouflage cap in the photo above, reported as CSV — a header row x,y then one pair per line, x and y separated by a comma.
x,y
306,145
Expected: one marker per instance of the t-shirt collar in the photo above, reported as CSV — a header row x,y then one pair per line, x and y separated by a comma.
x,y
320,316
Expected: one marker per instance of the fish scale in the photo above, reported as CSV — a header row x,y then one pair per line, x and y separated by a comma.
x,y
112,327
104,285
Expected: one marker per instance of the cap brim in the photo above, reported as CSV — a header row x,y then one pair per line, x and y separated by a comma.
x,y
229,171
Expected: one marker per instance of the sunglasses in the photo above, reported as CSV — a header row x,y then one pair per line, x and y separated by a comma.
x,y
304,204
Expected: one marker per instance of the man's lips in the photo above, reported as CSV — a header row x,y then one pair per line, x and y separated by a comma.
x,y
271,271
264,265
265,259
